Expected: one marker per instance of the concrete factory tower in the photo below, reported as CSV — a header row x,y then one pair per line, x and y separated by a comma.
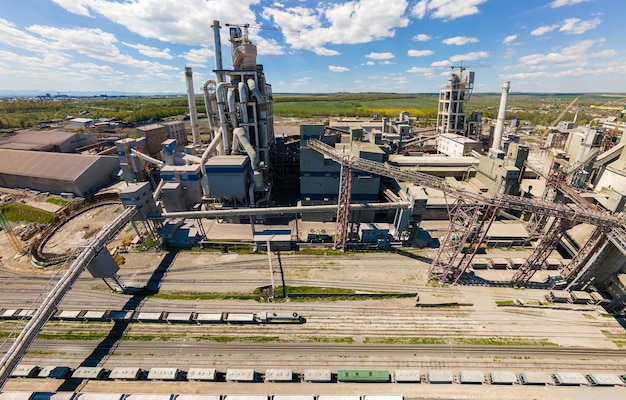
x,y
497,133
191,98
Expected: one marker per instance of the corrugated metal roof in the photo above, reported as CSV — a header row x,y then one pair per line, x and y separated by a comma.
x,y
41,137
60,166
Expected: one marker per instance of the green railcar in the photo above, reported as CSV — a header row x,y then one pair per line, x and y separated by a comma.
x,y
363,375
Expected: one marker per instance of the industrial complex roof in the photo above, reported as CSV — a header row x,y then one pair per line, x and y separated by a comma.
x,y
34,140
58,166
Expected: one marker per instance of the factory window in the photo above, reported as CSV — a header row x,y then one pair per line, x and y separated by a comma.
x,y
307,198
327,174
306,174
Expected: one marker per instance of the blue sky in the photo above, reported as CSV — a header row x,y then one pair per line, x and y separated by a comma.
x,y
315,46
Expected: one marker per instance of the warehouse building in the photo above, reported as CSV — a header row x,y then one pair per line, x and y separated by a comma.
x,y
50,141
79,174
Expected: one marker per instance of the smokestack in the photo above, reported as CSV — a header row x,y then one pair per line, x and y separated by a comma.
x,y
191,99
497,133
218,49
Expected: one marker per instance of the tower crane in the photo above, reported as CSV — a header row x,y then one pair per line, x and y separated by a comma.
x,y
462,67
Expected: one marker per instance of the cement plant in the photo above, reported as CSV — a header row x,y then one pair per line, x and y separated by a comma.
x,y
234,254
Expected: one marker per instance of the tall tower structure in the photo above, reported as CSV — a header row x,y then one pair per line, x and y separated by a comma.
x,y
453,101
499,130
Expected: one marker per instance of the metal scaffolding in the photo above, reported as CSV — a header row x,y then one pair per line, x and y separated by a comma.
x,y
469,222
343,205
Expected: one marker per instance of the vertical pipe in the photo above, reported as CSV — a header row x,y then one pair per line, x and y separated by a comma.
x,y
218,49
191,99
497,133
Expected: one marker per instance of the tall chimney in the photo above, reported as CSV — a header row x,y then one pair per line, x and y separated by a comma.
x,y
218,49
497,133
191,99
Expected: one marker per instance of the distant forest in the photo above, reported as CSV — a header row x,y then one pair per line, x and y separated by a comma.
x,y
538,109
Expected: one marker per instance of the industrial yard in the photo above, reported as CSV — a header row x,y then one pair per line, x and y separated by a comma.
x,y
456,256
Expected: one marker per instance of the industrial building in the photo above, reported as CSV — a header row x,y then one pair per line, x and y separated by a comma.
x,y
82,175
49,141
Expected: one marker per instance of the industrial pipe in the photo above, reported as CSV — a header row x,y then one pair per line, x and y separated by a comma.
x,y
209,102
204,180
277,210
256,91
241,138
147,158
157,191
221,94
232,109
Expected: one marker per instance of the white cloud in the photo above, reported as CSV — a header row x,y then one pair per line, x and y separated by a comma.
x,y
420,53
475,55
572,26
419,70
575,26
198,57
421,37
542,30
442,63
561,3
96,44
459,40
77,7
150,51
574,55
351,22
370,63
380,56
446,9
323,51
168,20
334,68
14,37
509,39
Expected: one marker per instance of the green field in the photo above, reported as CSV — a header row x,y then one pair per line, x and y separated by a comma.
x,y
17,212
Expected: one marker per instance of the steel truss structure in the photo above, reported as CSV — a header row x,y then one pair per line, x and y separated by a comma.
x,y
472,215
343,205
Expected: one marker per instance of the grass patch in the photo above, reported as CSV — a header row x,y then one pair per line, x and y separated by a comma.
x,y
502,341
505,302
493,341
319,339
322,252
58,201
239,339
72,336
404,340
17,212
205,296
314,290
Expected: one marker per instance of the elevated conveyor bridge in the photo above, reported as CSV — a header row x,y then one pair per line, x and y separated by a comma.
x,y
473,214
79,261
